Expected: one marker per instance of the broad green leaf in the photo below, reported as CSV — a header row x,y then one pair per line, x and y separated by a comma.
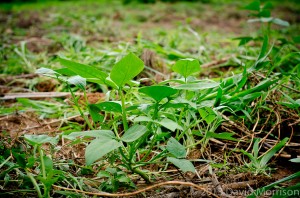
x,y
265,13
126,69
102,174
94,112
169,124
48,163
175,148
254,6
183,164
281,22
207,114
78,81
143,119
158,92
103,134
46,71
180,101
109,106
37,140
98,148
186,67
65,71
198,86
84,71
296,160
134,133
268,6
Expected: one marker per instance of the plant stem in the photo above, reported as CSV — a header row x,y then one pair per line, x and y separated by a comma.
x,y
46,191
42,162
125,124
79,109
36,186
142,174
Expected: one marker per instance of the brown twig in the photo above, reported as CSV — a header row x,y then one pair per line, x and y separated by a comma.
x,y
12,96
138,191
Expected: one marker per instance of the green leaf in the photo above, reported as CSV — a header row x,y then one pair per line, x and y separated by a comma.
x,y
40,139
109,106
207,114
78,81
103,134
126,69
268,6
48,163
265,158
98,148
260,191
65,71
84,71
183,164
46,72
175,148
281,22
94,112
222,136
158,92
254,6
134,133
291,191
244,40
102,174
198,86
186,67
296,160
169,124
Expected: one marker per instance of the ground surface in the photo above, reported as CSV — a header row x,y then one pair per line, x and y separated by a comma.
x,y
98,33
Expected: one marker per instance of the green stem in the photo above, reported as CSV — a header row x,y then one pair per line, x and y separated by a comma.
x,y
46,191
42,162
36,186
125,124
79,109
142,174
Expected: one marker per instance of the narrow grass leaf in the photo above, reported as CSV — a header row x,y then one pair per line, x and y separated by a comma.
x,y
222,136
260,191
265,158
